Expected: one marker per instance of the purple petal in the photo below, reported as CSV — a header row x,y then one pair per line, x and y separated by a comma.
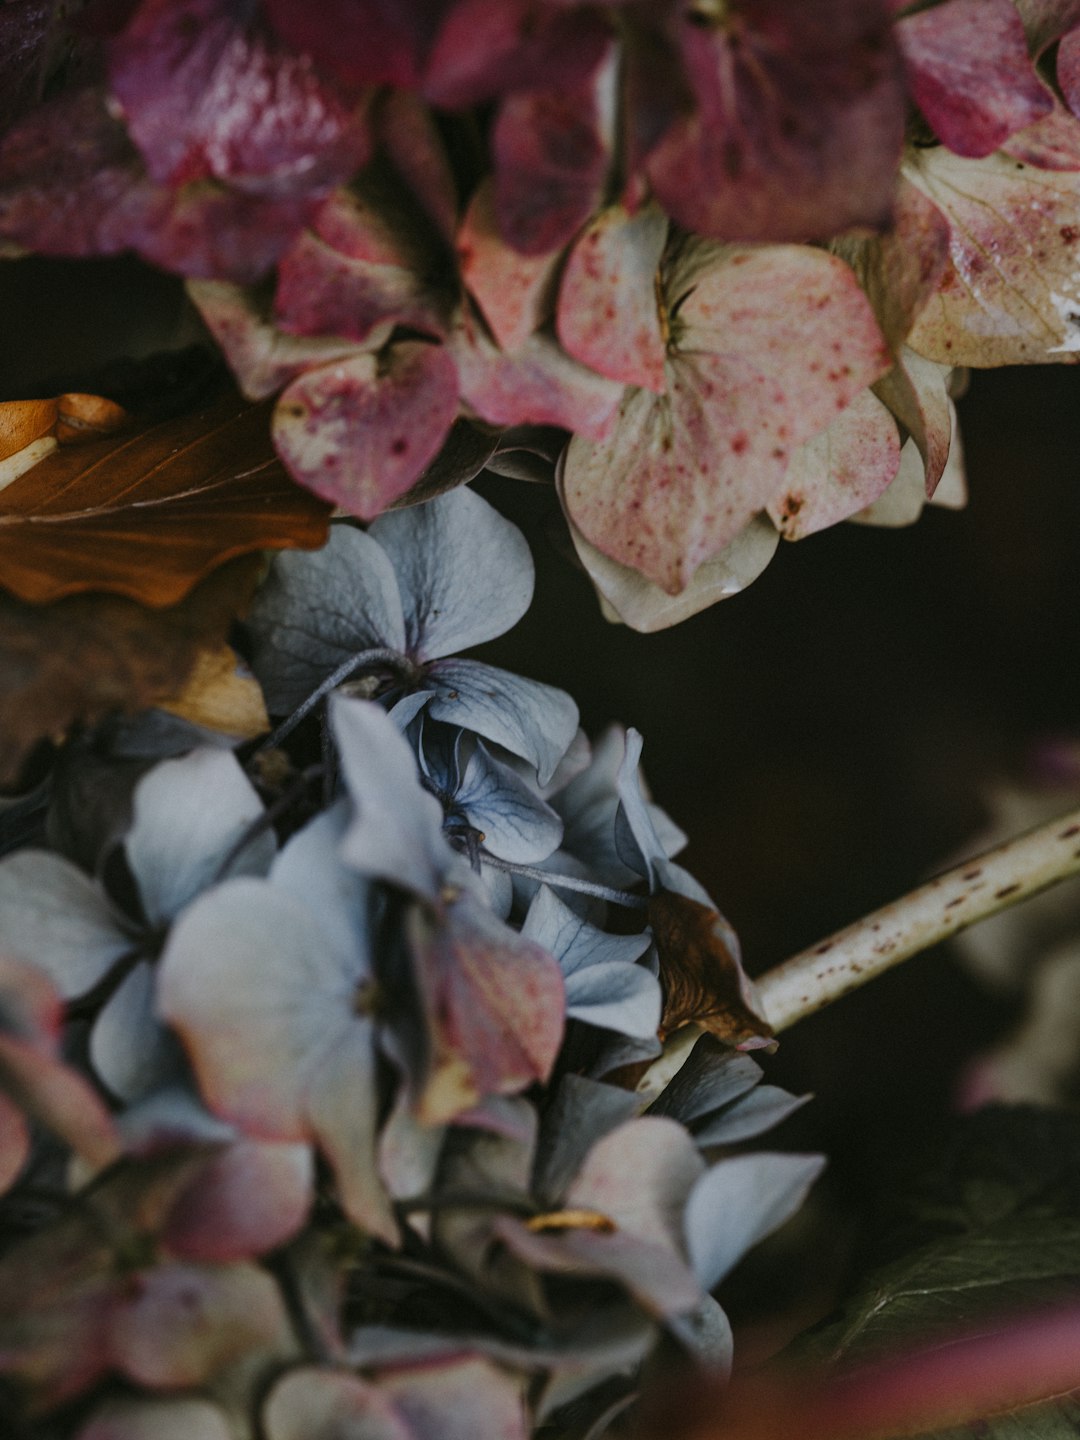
x,y
205,94
797,122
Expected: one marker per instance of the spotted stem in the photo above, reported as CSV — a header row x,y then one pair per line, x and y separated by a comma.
x,y
960,897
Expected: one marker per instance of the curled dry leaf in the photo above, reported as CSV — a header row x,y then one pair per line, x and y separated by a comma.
x,y
221,694
32,429
701,979
148,514
87,656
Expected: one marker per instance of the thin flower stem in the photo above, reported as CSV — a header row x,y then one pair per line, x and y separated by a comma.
x,y
378,658
569,882
970,892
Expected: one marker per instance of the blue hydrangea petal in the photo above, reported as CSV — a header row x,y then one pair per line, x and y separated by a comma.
x,y
465,573
316,608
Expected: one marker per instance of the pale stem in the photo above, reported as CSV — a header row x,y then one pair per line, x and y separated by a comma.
x,y
954,900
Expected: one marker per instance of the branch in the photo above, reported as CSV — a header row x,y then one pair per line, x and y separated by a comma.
x,y
973,891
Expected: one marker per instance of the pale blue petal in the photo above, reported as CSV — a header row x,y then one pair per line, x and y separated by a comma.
x,y
635,834
465,573
527,718
712,1076
309,867
132,1052
55,917
582,1112
705,1334
189,813
740,1201
574,942
395,833
751,1115
515,823
316,608
613,996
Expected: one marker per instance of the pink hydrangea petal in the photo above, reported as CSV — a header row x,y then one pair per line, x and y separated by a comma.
x,y
495,1008
363,42
791,312
968,68
1011,291
838,472
539,384
1052,143
514,291
361,432
608,314
684,471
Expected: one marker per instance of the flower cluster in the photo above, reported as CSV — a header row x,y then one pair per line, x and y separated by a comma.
x,y
327,1097
717,259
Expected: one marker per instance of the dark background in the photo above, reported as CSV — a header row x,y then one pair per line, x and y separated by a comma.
x,y
826,738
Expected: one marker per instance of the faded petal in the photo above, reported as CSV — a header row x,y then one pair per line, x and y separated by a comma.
x,y
131,1051
1012,285
608,313
840,471
494,1006
185,1418
310,1403
515,292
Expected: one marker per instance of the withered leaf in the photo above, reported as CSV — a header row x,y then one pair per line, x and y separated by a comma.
x,y
32,429
147,514
700,978
221,695
87,656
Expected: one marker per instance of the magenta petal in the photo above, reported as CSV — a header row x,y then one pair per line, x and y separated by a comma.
x,y
551,159
514,291
797,124
487,48
1052,143
969,71
608,314
494,1004
360,432
72,184
364,42
208,92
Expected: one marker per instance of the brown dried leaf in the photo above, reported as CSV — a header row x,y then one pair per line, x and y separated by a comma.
x,y
702,981
222,695
149,514
87,656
